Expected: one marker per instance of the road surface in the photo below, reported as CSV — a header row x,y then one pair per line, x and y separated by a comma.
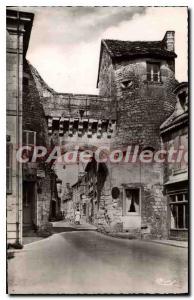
x,y
89,262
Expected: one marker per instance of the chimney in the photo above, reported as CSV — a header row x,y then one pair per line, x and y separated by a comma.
x,y
169,40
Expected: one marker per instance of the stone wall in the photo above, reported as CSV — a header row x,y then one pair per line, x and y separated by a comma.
x,y
143,106
76,119
152,219
34,120
106,80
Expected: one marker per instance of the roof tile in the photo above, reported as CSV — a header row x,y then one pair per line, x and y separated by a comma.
x,y
121,49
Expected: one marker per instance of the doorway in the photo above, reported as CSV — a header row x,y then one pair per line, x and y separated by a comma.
x,y
132,208
28,205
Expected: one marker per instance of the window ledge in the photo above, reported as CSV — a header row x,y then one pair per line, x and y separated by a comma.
x,y
179,171
153,82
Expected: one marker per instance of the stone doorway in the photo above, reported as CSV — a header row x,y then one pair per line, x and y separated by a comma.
x,y
28,206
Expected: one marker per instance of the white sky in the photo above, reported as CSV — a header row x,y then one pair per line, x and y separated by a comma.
x,y
65,41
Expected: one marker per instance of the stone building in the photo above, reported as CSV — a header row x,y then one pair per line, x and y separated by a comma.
x,y
67,205
174,133
139,78
19,25
30,186
136,82
84,193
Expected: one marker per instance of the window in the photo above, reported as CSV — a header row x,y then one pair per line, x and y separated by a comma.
x,y
9,151
184,142
126,84
179,211
183,99
29,138
153,72
132,202
84,209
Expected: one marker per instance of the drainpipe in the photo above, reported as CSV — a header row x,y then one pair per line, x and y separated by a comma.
x,y
18,135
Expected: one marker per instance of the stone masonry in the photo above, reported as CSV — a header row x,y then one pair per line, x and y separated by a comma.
x,y
135,81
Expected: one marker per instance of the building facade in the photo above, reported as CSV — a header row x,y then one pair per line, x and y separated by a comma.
x,y
67,204
31,186
139,78
19,26
174,133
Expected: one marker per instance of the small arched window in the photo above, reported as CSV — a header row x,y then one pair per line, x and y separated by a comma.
x,y
127,84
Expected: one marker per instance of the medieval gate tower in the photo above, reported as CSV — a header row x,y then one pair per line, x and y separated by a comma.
x,y
136,82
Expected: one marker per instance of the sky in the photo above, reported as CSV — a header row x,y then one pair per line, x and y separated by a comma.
x,y
65,41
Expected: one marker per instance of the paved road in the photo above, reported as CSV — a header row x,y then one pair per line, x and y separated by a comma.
x,y
89,262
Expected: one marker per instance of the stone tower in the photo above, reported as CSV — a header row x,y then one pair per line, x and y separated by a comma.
x,y
139,77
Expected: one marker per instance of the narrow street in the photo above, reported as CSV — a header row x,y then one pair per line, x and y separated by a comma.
x,y
88,262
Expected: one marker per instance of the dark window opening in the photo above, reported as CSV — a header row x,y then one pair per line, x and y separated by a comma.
x,y
105,126
55,125
132,203
84,209
126,84
94,127
66,126
75,126
85,126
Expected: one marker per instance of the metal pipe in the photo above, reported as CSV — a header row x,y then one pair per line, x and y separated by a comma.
x,y
18,134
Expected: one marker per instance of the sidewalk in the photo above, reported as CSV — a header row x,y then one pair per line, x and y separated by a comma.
x,y
31,236
181,244
129,236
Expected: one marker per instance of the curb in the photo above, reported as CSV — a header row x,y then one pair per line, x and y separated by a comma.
x,y
168,244
129,238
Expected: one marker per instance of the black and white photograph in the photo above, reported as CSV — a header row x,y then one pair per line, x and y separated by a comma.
x,y
97,135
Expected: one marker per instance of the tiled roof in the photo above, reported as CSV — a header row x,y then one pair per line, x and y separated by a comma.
x,y
174,121
118,49
178,117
